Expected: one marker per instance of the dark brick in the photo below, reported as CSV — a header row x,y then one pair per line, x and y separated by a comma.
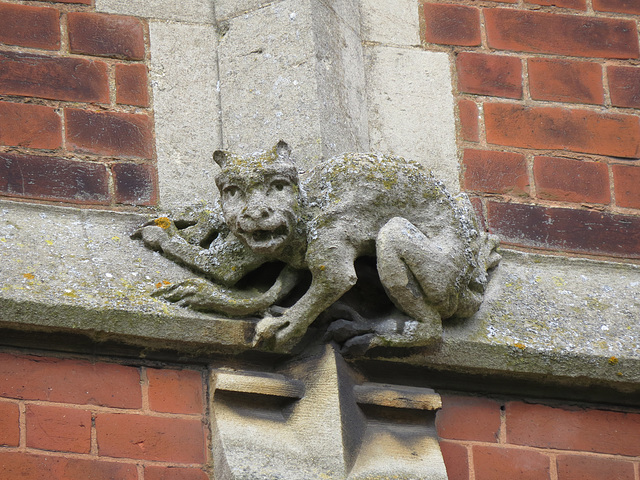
x,y
456,460
624,86
495,75
132,85
573,35
9,424
570,180
59,429
27,26
175,473
56,78
468,418
53,178
452,24
495,172
135,184
109,133
106,35
83,2
565,81
576,130
26,466
33,126
564,229
620,6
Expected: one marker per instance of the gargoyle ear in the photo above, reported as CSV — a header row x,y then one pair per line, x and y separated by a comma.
x,y
283,150
220,157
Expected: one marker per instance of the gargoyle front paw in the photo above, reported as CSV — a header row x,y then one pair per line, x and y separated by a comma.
x,y
267,331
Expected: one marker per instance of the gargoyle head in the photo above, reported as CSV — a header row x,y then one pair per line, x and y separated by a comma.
x,y
259,195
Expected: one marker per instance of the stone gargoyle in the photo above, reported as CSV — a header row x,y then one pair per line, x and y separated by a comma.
x,y
431,259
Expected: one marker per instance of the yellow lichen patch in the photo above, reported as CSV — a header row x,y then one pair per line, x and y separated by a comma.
x,y
29,276
2,239
115,238
162,222
521,346
558,281
48,242
166,282
613,360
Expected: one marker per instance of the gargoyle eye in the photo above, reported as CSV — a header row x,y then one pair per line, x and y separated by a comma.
x,y
279,185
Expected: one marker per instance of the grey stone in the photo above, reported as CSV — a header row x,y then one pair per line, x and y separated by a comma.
x,y
391,23
292,70
411,108
321,434
431,258
184,78
197,11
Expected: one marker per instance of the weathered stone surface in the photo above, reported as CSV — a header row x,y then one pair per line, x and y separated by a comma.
x,y
197,11
186,110
393,23
411,108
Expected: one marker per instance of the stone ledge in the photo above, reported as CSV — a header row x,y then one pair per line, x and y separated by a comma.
x,y
77,271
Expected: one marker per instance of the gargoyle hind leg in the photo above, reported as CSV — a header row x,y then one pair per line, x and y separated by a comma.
x,y
333,275
419,275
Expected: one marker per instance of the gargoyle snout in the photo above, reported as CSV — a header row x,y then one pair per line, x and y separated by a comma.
x,y
257,207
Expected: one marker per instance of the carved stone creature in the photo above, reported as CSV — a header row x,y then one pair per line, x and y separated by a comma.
x,y
431,258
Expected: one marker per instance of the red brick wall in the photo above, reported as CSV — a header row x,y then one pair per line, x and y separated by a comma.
x,y
75,122
486,439
64,419
548,97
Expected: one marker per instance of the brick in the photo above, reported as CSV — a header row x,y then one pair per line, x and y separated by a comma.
x,y
53,178
175,391
574,4
564,229
106,35
626,185
70,381
175,473
573,35
27,26
32,126
565,81
576,130
495,75
583,467
135,184
495,172
109,133
25,466
624,86
620,6
579,430
173,440
55,78
492,463
452,24
456,460
468,418
58,428
9,424
132,84
469,119
571,180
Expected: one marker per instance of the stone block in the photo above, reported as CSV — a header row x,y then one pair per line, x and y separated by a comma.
x,y
196,11
395,23
186,110
411,108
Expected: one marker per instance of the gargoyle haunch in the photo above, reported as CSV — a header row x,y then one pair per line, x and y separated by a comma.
x,y
430,256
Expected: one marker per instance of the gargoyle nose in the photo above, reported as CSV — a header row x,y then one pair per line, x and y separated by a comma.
x,y
257,211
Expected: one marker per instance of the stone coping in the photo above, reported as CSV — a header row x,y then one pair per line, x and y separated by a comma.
x,y
77,271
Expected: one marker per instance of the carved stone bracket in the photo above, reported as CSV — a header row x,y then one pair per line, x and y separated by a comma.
x,y
318,418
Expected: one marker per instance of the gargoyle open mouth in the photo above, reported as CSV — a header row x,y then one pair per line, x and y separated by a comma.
x,y
263,240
